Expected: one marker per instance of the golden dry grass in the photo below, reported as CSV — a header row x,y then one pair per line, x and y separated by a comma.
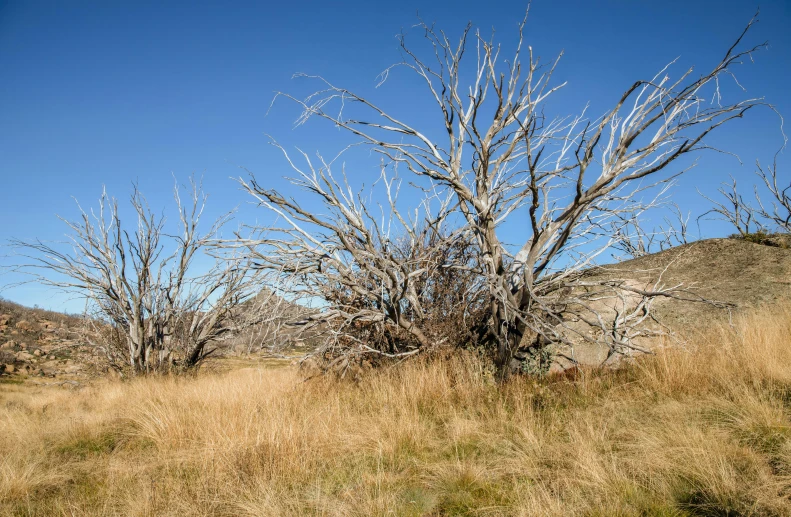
x,y
703,432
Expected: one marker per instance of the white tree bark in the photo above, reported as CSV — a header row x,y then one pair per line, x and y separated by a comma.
x,y
501,158
143,283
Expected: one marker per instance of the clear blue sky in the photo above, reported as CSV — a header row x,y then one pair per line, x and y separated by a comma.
x,y
95,93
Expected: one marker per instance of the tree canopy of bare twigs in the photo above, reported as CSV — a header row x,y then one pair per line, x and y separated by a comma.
x,y
151,305
779,213
754,217
733,208
390,288
633,240
499,157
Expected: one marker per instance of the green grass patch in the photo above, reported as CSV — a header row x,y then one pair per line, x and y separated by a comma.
x,y
82,447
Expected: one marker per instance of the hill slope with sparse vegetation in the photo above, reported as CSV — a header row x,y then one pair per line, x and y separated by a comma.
x,y
736,274
43,346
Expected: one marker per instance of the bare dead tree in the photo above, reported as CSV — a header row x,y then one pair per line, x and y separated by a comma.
x,y
498,157
391,284
676,229
755,221
780,213
735,210
151,305
632,240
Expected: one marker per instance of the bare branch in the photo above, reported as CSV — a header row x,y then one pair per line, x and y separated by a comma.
x,y
151,310
499,158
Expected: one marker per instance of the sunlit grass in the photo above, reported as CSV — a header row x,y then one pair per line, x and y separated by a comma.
x,y
696,431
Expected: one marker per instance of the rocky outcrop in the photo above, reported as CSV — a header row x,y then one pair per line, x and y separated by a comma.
x,y
36,343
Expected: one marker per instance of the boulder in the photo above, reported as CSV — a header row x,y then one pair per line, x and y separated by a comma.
x,y
37,352
4,319
8,345
9,368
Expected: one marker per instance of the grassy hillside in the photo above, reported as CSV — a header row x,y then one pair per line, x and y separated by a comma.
x,y
688,432
743,274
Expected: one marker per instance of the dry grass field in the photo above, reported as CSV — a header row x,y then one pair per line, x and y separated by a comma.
x,y
703,431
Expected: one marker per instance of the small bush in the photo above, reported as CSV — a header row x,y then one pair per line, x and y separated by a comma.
x,y
777,240
83,446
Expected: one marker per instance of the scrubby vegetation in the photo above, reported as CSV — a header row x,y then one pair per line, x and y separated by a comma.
x,y
701,431
778,240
